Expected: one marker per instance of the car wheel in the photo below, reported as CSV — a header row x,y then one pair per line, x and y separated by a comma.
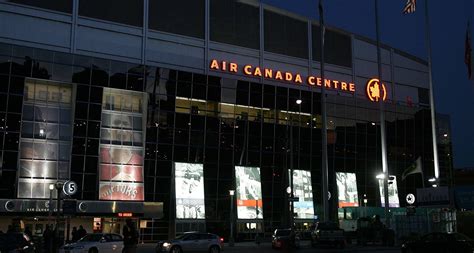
x,y
214,249
93,250
176,249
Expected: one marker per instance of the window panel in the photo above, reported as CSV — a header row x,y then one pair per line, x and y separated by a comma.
x,y
62,6
120,11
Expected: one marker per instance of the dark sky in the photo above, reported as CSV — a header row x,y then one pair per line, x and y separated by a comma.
x,y
454,93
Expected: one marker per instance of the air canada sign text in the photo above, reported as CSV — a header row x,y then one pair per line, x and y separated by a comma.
x,y
278,75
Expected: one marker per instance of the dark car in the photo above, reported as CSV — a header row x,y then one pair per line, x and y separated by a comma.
x,y
440,242
16,243
285,238
192,242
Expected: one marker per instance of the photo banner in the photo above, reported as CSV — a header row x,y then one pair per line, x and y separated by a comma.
x,y
189,187
303,190
249,193
393,200
347,189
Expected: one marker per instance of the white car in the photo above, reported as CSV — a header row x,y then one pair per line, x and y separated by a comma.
x,y
95,243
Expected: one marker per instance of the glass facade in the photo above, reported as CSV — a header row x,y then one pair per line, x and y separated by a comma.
x,y
159,117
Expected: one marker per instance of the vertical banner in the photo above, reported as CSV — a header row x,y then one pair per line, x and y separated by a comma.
x,y
45,142
303,190
189,191
122,146
347,189
393,200
249,193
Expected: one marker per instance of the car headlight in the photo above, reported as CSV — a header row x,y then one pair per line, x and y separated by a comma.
x,y
166,244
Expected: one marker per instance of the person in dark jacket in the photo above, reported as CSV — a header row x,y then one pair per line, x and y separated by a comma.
x,y
130,237
81,232
47,239
75,235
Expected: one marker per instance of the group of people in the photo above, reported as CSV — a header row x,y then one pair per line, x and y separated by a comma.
x,y
78,233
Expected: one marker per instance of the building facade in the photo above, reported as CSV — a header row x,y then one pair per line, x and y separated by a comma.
x,y
156,111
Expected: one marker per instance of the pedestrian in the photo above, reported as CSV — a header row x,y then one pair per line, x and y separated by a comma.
x,y
28,232
75,235
47,239
81,232
130,237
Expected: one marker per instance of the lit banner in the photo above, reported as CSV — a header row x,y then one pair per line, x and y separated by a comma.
x,y
189,186
109,172
393,200
347,189
249,193
122,191
304,191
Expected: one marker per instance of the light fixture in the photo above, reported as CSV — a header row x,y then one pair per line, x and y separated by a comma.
x,y
299,101
373,123
288,190
435,185
432,180
41,132
51,187
231,192
445,135
365,201
380,176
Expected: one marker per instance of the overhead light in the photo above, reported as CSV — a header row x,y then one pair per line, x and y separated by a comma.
x,y
51,187
432,180
299,101
445,135
380,176
373,123
435,185
231,192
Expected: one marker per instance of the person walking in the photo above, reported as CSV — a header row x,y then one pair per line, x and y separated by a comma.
x,y
75,235
81,232
47,239
130,237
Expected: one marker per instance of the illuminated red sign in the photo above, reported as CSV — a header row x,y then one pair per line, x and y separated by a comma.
x,y
125,214
375,91
268,73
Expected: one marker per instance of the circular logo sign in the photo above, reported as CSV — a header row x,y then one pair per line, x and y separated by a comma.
x,y
375,90
410,198
70,188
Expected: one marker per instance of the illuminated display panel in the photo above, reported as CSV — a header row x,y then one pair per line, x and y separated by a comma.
x,y
304,191
347,189
121,146
189,186
393,200
249,193
45,143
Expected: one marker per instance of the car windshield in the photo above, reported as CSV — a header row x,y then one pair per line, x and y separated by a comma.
x,y
91,238
180,237
282,232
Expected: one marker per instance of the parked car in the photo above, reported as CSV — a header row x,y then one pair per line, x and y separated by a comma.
x,y
285,238
440,242
95,243
192,242
328,233
16,243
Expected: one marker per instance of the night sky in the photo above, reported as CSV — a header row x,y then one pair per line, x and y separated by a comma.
x,y
454,93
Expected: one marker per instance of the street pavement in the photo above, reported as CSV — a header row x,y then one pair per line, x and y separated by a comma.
x,y
249,247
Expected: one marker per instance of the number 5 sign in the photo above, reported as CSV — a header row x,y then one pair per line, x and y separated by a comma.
x,y
70,188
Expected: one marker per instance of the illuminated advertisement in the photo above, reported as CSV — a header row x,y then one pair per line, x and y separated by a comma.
x,y
121,146
249,193
393,200
122,191
347,189
189,187
304,191
45,143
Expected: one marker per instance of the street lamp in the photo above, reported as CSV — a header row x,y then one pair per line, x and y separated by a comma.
x,y
231,237
50,203
365,204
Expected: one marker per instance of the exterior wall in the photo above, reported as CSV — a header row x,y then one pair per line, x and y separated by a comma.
x,y
174,71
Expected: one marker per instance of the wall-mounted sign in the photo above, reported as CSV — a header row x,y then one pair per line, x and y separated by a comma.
x,y
375,90
125,215
70,188
410,198
278,75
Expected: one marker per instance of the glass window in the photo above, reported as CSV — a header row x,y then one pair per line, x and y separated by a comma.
x,y
285,35
179,16
235,22
337,46
62,6
120,11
